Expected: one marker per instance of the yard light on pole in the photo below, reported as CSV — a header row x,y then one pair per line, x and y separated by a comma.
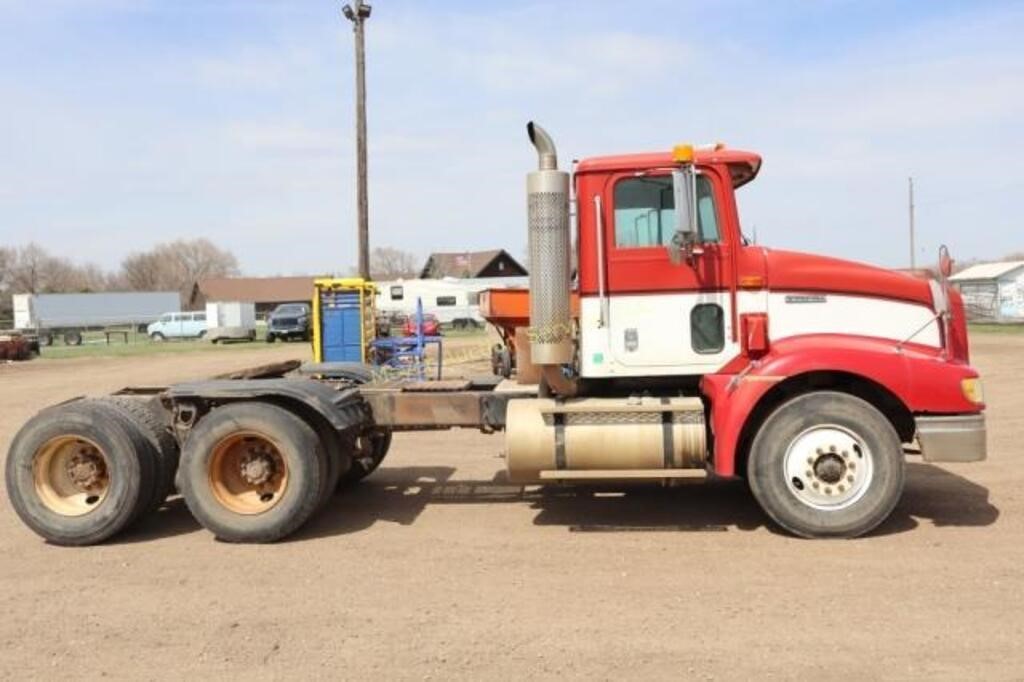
x,y
358,13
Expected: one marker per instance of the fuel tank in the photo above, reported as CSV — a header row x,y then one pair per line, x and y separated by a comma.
x,y
603,434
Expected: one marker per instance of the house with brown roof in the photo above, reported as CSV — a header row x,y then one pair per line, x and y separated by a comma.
x,y
266,292
493,263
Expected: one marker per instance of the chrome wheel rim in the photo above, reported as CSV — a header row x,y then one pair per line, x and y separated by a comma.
x,y
828,467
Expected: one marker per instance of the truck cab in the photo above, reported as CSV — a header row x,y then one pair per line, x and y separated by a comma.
x,y
808,375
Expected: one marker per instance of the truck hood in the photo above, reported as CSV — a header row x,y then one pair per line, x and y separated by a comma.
x,y
795,271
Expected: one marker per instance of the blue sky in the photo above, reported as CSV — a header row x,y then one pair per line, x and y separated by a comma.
x,y
129,122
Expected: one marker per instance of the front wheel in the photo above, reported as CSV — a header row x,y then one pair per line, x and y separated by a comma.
x,y
826,464
156,337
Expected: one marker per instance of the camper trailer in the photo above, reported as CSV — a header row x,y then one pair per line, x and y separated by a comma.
x,y
454,301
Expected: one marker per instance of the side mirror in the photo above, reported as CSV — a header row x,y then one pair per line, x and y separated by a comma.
x,y
684,193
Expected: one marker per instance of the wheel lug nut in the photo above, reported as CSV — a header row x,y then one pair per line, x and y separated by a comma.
x,y
841,487
828,491
810,460
849,479
814,485
810,474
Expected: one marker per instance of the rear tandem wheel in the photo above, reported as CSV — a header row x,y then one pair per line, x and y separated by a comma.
x,y
253,472
81,472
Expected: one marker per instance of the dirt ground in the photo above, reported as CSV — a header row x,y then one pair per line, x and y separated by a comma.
x,y
430,570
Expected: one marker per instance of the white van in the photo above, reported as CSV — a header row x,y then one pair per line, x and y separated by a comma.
x,y
178,326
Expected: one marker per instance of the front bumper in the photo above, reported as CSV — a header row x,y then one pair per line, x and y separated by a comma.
x,y
959,438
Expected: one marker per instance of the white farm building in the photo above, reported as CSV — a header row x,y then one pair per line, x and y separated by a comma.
x,y
993,292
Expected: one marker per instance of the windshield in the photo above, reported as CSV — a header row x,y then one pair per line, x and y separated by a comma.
x,y
295,309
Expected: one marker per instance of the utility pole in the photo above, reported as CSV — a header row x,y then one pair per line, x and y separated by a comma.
x,y
910,185
358,14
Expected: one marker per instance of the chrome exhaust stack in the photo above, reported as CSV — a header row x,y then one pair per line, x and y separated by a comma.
x,y
551,329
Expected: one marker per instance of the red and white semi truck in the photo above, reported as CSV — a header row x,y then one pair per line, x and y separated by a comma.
x,y
690,349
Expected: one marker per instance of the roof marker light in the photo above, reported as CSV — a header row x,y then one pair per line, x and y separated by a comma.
x,y
682,153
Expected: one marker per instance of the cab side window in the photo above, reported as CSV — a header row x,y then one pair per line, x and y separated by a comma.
x,y
645,212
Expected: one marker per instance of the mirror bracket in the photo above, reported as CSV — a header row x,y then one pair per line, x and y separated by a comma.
x,y
685,242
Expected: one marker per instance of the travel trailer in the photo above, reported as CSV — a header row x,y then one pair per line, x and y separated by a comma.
x,y
454,301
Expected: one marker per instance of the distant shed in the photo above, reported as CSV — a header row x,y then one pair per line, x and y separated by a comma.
x,y
266,292
993,292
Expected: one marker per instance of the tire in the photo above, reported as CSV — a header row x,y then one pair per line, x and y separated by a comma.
x,y
370,450
157,337
270,338
46,340
365,450
201,335
235,509
337,459
826,464
73,338
42,492
148,418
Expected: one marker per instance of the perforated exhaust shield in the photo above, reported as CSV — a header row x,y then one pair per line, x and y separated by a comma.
x,y
549,239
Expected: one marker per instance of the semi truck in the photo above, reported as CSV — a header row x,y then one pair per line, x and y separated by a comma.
x,y
66,316
677,347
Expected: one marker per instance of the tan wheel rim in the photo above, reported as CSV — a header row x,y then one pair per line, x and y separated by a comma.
x,y
71,475
248,474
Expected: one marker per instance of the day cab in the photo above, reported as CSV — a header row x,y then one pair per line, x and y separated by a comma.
x,y
673,294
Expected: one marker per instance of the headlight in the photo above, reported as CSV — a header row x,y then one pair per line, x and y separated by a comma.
x,y
973,390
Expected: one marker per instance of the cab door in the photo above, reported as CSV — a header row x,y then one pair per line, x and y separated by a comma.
x,y
665,318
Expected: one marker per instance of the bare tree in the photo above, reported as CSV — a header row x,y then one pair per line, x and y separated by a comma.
x,y
7,257
390,263
145,272
33,270
177,266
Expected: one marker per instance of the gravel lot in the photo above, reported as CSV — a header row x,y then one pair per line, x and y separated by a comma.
x,y
431,570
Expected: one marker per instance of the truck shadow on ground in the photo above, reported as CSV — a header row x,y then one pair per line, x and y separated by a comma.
x,y
941,497
172,519
399,495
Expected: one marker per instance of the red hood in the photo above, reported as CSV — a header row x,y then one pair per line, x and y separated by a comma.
x,y
794,271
